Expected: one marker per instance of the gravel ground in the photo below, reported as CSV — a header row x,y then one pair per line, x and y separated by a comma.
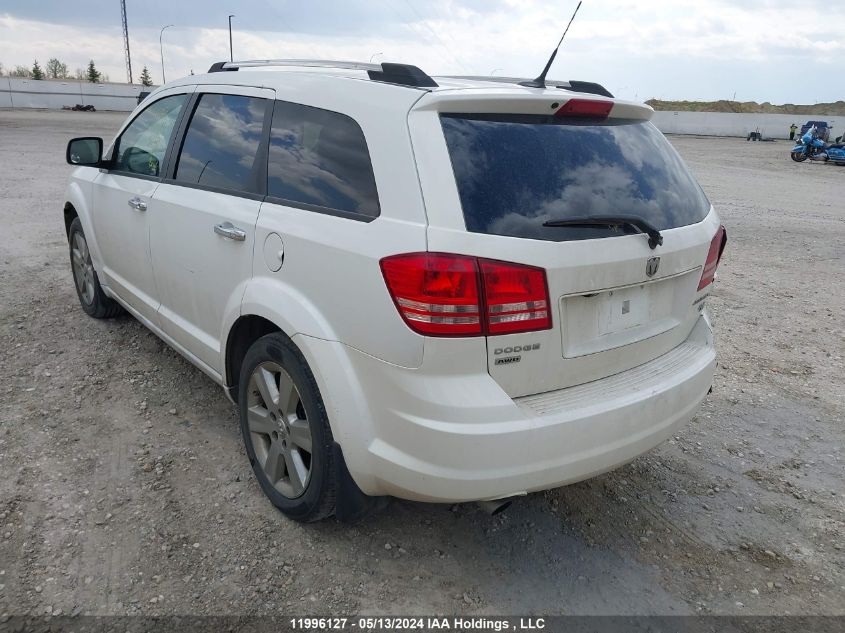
x,y
124,488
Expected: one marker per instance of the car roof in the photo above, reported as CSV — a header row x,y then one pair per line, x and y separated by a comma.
x,y
362,71
291,76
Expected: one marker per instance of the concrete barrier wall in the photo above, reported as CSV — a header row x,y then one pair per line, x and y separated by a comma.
x,y
735,124
28,93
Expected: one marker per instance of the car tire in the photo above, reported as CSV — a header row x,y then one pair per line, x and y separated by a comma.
x,y
93,300
286,431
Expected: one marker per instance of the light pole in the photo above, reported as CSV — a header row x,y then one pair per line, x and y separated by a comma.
x,y
231,57
161,50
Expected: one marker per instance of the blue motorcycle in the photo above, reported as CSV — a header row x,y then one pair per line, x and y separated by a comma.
x,y
812,147
836,153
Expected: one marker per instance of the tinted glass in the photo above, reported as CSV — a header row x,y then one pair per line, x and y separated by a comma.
x,y
514,173
320,158
141,147
221,145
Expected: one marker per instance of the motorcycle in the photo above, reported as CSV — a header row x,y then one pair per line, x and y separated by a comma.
x,y
812,147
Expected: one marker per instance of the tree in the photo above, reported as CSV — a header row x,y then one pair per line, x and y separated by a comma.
x,y
80,74
56,69
37,73
146,80
93,75
20,71
1,69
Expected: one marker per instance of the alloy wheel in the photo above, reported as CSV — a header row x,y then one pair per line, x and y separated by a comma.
x,y
83,269
279,429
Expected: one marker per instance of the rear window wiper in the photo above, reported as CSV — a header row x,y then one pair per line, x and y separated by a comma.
x,y
601,221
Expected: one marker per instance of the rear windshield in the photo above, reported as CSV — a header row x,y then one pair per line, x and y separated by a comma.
x,y
515,172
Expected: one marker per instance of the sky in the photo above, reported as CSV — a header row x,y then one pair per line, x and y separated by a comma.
x,y
782,51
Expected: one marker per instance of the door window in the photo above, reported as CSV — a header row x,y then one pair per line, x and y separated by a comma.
x,y
320,159
143,144
222,143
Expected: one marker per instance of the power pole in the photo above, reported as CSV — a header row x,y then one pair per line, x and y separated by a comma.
x,y
126,40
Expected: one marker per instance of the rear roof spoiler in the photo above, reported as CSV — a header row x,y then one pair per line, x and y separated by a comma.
x,y
588,87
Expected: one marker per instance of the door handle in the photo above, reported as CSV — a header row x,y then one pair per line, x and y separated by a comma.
x,y
230,231
137,204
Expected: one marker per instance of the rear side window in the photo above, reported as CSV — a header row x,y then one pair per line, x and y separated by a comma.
x,y
516,172
319,159
222,142
143,144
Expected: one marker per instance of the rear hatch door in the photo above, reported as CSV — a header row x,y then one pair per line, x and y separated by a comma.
x,y
495,168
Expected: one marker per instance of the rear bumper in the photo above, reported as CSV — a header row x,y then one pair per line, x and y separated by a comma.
x,y
431,437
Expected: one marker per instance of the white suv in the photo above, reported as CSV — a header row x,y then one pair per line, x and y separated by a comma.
x,y
443,289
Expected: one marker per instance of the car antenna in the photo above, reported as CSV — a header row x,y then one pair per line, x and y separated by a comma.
x,y
540,82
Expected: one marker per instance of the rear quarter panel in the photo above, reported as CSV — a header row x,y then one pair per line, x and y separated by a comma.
x,y
330,285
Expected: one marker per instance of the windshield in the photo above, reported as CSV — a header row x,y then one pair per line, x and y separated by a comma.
x,y
515,172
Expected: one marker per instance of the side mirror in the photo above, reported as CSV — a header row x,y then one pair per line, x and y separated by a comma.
x,y
86,151
139,161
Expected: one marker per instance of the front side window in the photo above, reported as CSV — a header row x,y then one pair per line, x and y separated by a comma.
x,y
222,142
143,144
320,158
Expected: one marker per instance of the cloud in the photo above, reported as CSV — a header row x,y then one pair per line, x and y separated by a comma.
x,y
319,17
650,48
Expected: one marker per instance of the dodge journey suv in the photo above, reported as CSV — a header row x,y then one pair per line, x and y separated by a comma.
x,y
436,288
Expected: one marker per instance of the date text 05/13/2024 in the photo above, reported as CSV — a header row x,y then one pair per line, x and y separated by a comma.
x,y
456,623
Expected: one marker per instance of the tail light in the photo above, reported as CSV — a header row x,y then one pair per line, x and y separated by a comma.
x,y
585,108
714,255
436,294
439,294
516,297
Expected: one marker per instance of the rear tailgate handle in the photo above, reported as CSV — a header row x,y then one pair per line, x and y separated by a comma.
x,y
230,231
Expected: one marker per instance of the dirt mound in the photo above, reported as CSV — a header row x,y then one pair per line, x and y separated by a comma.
x,y
752,107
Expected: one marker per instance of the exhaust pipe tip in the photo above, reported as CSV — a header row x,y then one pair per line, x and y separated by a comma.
x,y
494,507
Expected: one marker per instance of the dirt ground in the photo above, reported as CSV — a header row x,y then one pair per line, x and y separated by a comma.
x,y
124,487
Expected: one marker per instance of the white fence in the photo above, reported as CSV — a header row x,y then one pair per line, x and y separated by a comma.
x,y
736,124
29,93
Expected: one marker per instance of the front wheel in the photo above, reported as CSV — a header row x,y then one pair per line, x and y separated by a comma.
x,y
286,430
798,157
91,296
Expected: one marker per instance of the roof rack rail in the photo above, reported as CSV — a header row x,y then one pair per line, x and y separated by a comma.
x,y
588,87
308,63
401,74
219,67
